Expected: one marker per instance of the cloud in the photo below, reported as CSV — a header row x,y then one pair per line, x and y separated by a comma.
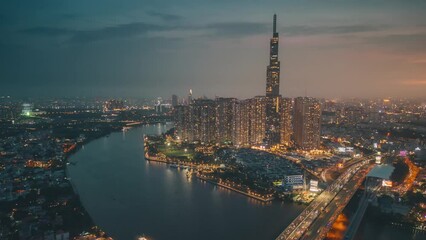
x,y
414,82
48,31
404,41
402,38
304,30
165,16
238,29
224,29
118,31
243,29
105,33
420,61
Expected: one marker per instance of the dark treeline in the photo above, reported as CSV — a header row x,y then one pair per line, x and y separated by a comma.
x,y
400,172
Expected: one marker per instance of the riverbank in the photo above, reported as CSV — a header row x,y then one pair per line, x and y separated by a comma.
x,y
89,226
169,162
248,194
256,196
37,198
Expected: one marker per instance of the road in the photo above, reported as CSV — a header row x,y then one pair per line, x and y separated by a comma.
x,y
322,224
320,206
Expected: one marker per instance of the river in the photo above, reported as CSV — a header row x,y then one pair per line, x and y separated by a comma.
x,y
127,196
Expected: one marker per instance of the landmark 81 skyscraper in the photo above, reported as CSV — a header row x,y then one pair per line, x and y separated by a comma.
x,y
273,98
273,70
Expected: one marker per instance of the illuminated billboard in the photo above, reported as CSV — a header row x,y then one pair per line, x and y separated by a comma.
x,y
313,186
345,149
378,159
278,183
386,183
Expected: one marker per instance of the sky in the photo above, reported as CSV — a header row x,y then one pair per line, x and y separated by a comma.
x,y
137,48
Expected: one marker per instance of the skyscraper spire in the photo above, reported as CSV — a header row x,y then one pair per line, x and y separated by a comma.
x,y
275,23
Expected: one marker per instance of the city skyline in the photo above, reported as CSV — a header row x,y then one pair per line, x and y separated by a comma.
x,y
331,49
274,119
262,121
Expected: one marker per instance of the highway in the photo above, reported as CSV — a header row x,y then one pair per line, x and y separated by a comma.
x,y
322,224
333,198
326,175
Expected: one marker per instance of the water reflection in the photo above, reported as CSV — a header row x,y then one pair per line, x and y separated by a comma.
x,y
337,231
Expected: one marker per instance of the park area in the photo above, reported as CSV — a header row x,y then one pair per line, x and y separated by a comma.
x,y
174,151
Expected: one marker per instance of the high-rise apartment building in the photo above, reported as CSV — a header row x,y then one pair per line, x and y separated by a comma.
x,y
257,120
183,122
225,119
203,120
242,123
286,124
175,100
307,123
250,121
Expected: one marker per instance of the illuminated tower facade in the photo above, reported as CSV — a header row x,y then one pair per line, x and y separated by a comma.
x,y
183,122
225,119
242,123
250,121
202,120
286,121
190,97
273,70
273,98
257,120
307,123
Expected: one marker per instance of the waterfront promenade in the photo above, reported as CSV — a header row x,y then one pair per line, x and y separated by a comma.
x,y
257,196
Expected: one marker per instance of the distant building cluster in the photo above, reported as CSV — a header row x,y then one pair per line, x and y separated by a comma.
x,y
114,105
263,120
27,109
161,106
